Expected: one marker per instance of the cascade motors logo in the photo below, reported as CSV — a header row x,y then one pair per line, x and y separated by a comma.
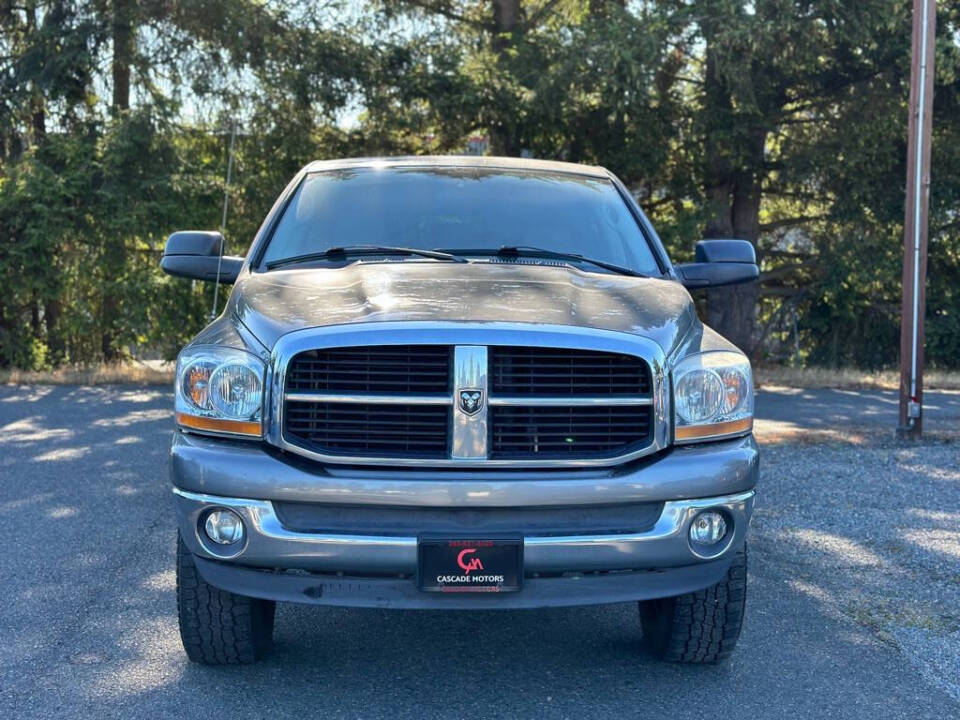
x,y
472,572
471,564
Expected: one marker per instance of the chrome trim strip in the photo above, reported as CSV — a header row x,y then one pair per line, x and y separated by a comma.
x,y
264,521
664,545
369,398
468,431
467,333
570,401
672,519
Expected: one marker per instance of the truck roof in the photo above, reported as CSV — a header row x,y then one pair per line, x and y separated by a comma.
x,y
460,161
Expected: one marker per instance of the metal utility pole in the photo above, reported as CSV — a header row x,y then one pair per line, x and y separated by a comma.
x,y
915,224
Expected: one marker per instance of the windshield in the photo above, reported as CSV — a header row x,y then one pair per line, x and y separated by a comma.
x,y
460,209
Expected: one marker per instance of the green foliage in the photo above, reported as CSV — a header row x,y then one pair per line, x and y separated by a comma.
x,y
784,122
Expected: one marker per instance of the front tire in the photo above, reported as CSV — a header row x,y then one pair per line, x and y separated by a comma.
x,y
702,626
218,627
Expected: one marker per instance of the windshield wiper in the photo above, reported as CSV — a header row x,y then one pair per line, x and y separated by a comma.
x,y
531,251
344,251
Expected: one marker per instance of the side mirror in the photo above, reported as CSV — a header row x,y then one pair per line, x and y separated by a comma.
x,y
720,262
195,254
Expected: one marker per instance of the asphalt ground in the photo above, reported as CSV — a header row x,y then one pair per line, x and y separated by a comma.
x,y
853,608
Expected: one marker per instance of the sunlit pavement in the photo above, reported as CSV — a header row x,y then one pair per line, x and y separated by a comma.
x,y
855,552
838,410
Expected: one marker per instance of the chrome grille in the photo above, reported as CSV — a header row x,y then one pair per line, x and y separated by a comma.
x,y
379,401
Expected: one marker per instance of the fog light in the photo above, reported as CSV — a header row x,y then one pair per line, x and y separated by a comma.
x,y
708,528
224,527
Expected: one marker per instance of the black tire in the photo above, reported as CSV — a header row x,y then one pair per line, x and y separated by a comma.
x,y
216,626
702,626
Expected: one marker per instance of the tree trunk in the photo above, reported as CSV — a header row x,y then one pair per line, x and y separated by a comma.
x,y
506,23
124,47
601,7
718,184
506,19
55,342
734,175
731,311
38,114
5,334
39,121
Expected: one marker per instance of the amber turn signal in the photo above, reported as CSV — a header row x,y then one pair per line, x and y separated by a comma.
x,y
693,432
236,427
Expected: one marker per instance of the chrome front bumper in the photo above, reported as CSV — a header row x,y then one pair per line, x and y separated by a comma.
x,y
268,544
374,569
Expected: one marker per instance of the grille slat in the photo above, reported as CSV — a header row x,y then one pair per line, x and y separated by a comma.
x,y
570,432
362,422
395,369
374,429
562,371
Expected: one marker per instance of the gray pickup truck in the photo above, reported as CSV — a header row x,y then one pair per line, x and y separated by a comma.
x,y
461,383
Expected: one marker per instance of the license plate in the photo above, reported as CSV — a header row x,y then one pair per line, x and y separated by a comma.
x,y
482,565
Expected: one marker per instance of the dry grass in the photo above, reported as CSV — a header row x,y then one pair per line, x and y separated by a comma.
x,y
134,373
156,372
774,433
850,379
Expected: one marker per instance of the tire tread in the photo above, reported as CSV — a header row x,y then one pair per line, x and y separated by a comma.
x,y
702,626
218,627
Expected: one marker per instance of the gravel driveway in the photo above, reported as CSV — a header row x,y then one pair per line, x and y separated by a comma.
x,y
854,606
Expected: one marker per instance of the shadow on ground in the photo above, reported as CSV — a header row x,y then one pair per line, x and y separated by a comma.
x,y
89,620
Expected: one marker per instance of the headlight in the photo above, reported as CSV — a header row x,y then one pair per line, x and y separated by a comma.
x,y
220,390
713,396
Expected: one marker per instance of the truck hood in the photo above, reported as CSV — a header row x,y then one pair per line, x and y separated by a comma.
x,y
275,303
